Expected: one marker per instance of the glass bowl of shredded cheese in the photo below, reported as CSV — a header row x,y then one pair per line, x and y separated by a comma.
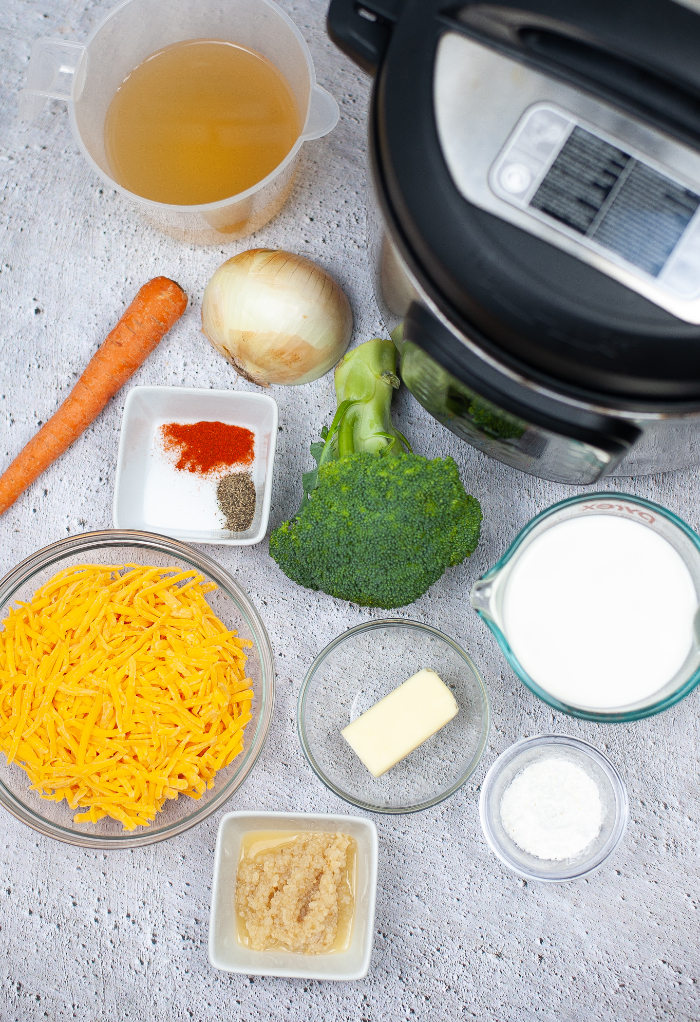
x,y
136,689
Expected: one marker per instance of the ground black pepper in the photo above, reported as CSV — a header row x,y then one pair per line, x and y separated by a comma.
x,y
236,496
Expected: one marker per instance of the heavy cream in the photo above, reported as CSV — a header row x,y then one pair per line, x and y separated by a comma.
x,y
599,611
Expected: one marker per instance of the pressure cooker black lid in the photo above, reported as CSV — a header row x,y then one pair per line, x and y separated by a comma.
x,y
539,168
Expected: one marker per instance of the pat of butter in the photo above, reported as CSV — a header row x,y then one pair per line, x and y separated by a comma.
x,y
401,721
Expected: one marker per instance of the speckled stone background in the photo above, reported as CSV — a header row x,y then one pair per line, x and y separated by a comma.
x,y
98,936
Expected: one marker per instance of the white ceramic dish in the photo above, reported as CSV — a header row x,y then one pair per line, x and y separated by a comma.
x,y
142,475
225,951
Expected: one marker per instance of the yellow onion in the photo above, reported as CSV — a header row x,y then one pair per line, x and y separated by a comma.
x,y
276,317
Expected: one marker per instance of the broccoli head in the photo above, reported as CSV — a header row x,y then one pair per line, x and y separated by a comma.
x,y
379,531
378,524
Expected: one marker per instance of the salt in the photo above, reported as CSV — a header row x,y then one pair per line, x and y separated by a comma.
x,y
178,500
552,809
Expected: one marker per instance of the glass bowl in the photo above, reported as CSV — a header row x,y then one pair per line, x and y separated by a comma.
x,y
232,606
362,666
613,796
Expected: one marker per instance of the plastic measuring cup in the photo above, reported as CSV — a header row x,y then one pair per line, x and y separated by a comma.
x,y
487,596
88,75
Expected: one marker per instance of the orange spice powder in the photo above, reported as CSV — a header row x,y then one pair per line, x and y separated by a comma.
x,y
203,447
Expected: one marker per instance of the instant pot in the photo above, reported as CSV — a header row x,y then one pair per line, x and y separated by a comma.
x,y
536,234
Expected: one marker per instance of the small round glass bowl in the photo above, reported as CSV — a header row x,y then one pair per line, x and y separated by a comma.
x,y
358,669
231,605
613,797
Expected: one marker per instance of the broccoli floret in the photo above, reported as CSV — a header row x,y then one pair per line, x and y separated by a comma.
x,y
379,531
378,525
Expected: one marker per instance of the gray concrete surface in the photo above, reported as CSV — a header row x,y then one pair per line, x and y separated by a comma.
x,y
97,936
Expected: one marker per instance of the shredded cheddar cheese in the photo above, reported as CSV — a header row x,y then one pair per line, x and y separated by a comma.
x,y
120,688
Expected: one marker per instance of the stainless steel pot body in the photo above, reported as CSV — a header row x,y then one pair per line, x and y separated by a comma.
x,y
660,440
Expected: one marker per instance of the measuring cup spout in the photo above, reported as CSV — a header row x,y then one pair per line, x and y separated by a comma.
x,y
481,596
322,116
53,64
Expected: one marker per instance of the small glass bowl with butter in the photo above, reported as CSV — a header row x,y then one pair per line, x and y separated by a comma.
x,y
550,811
365,665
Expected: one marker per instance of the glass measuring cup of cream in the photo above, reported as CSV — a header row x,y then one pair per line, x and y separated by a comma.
x,y
595,606
196,110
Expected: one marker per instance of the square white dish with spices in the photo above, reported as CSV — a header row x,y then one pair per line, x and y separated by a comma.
x,y
153,495
227,949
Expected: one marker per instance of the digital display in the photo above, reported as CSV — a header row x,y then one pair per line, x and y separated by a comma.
x,y
610,197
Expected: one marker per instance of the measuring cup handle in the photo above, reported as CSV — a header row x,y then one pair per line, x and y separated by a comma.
x,y
322,116
52,75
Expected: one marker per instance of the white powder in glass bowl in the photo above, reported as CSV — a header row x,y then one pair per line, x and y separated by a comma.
x,y
552,809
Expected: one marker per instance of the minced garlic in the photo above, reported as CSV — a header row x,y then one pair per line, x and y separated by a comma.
x,y
297,894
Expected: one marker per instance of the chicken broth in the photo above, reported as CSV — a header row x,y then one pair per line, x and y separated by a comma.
x,y
200,121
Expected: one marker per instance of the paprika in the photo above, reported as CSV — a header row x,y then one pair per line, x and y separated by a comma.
x,y
204,447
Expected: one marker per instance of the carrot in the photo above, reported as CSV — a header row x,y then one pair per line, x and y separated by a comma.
x,y
158,305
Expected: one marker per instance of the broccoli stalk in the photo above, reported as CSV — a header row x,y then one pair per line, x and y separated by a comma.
x,y
377,524
364,384
365,381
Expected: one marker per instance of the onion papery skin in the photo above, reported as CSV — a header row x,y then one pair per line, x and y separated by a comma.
x,y
278,318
